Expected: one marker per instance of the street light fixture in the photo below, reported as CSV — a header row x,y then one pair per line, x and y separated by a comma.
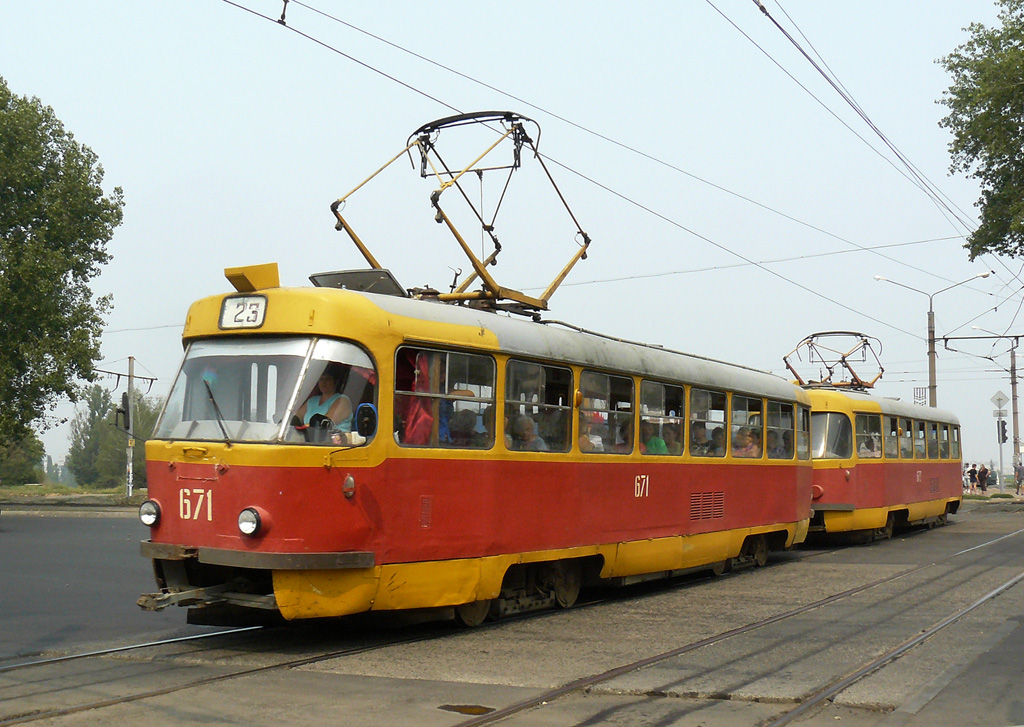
x,y
932,387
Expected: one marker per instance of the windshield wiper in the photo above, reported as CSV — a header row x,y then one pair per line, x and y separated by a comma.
x,y
216,410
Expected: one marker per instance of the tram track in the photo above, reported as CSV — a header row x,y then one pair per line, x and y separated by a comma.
x,y
123,649
36,714
26,716
808,701
141,691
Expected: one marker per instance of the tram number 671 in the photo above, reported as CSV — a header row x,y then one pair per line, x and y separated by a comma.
x,y
640,487
191,504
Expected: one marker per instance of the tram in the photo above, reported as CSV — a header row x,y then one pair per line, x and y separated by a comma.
x,y
486,463
355,446
879,463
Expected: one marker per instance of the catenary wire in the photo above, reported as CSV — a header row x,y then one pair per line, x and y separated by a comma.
x,y
922,182
603,137
606,188
963,216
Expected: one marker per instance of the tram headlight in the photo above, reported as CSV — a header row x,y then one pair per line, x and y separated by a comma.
x,y
149,513
249,521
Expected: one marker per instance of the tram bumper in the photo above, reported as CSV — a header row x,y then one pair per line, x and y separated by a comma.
x,y
214,578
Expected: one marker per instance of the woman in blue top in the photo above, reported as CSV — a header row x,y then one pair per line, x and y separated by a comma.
x,y
328,402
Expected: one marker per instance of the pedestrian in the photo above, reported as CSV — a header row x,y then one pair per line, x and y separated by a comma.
x,y
1018,475
983,479
972,477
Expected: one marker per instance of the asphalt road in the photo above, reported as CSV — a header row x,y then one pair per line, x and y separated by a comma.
x,y
69,583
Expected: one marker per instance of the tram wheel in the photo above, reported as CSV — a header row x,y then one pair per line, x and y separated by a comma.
x,y
472,614
886,532
566,581
759,551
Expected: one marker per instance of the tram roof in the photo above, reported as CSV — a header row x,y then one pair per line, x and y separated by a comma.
x,y
559,342
893,407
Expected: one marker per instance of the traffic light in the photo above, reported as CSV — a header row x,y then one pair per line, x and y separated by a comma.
x,y
1002,431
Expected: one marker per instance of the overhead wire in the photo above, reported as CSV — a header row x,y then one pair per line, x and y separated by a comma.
x,y
608,139
712,268
921,181
593,181
963,216
937,195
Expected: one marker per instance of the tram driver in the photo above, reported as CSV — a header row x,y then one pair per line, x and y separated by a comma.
x,y
327,409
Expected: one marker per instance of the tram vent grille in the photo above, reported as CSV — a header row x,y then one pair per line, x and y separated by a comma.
x,y
707,505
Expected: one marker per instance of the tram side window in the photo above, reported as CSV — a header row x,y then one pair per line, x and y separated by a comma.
x,y
707,423
869,435
779,430
954,432
920,448
944,441
538,407
907,438
662,413
444,399
892,437
747,420
803,432
933,440
606,415
832,435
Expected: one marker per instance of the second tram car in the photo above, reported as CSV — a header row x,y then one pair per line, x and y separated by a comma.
x,y
880,463
324,452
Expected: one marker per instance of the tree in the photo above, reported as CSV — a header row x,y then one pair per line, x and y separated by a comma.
x,y
21,461
97,455
55,223
986,111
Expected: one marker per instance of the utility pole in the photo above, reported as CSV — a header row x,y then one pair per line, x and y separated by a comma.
x,y
130,416
1013,399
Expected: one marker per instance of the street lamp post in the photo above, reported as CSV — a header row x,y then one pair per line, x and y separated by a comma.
x,y
932,385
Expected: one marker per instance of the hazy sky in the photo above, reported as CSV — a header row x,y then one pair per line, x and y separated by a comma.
x,y
231,135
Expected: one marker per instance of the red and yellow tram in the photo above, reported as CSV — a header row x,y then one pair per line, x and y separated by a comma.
x,y
325,451
880,463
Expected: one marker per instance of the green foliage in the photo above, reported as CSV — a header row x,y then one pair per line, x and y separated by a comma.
x,y
97,456
986,105
55,223
21,461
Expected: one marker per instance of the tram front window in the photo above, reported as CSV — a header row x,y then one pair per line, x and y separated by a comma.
x,y
268,390
831,436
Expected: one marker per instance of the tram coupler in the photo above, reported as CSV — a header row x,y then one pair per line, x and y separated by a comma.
x,y
192,597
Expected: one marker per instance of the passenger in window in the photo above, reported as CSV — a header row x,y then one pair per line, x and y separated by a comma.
x,y
552,427
624,440
776,448
589,441
670,433
716,447
699,444
650,442
326,406
868,449
754,443
746,444
524,435
787,444
462,427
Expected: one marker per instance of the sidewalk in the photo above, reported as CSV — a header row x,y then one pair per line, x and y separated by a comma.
x,y
68,505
